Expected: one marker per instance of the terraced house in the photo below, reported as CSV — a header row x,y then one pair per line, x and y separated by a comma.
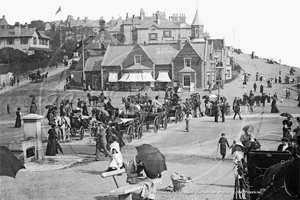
x,y
28,40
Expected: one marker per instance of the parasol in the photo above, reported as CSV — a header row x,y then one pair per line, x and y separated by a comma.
x,y
49,107
286,115
153,160
249,128
213,97
9,163
205,97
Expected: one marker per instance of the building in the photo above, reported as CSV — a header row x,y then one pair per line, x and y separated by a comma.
x,y
3,22
155,29
28,40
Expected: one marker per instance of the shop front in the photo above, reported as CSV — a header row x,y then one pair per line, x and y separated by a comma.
x,y
187,79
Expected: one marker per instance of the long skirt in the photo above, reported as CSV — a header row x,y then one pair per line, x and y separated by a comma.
x,y
51,148
18,123
274,109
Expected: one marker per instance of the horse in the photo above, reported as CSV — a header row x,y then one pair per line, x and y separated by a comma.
x,y
93,99
64,126
281,181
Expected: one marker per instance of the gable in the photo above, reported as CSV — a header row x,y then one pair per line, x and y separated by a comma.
x,y
188,51
137,51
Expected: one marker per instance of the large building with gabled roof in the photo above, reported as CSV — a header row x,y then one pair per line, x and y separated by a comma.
x,y
159,29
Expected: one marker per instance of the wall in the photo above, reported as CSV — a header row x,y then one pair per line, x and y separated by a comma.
x,y
17,44
188,51
143,35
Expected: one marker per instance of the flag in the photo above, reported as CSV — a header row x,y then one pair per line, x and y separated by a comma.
x,y
58,10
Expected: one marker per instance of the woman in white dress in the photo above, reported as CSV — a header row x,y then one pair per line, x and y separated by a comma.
x,y
116,162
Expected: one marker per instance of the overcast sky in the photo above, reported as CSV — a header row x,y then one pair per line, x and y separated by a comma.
x,y
270,28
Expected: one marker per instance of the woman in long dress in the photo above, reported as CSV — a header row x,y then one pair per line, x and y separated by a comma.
x,y
52,142
18,118
274,108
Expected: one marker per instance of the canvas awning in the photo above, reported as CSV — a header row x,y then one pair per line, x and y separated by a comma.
x,y
112,77
163,77
124,77
147,77
135,77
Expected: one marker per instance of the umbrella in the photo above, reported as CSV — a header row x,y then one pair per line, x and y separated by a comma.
x,y
49,107
152,158
205,97
32,96
9,163
248,128
286,115
213,97
59,147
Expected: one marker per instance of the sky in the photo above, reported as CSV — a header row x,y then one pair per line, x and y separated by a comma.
x,y
270,28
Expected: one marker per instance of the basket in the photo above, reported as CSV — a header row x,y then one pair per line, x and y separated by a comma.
x,y
178,185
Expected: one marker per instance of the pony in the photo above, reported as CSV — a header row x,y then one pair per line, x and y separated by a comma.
x,y
281,181
64,126
93,99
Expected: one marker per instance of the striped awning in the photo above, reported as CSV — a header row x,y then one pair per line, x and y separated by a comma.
x,y
124,77
163,76
147,77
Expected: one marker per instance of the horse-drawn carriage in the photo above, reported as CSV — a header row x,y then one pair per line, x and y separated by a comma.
x,y
37,77
174,110
256,177
130,126
155,119
79,123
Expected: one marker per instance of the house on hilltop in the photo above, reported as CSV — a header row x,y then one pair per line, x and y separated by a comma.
x,y
28,40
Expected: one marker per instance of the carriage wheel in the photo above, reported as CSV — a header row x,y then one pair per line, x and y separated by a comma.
x,y
130,130
181,116
140,132
81,132
73,131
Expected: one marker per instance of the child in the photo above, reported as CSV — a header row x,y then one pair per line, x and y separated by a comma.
x,y
188,117
233,147
223,142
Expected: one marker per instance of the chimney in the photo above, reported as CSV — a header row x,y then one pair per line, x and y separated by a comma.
x,y
78,18
86,19
3,17
102,24
179,44
26,25
17,28
157,18
142,14
126,16
133,23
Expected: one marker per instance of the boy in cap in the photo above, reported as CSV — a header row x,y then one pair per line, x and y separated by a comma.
x,y
223,142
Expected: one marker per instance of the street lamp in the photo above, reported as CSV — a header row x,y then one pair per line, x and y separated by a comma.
x,y
218,71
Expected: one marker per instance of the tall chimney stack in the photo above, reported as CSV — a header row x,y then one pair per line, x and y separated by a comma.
x,y
17,28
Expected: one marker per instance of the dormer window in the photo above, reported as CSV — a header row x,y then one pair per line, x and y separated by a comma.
x,y
137,59
187,62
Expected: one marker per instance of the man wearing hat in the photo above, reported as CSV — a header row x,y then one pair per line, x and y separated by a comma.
x,y
294,147
18,118
79,103
237,110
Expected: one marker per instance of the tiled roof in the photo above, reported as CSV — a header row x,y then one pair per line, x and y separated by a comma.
x,y
93,63
114,28
115,55
25,32
197,21
42,35
137,20
3,22
199,48
161,54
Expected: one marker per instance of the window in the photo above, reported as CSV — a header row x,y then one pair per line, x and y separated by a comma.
x,y
34,40
167,34
152,36
187,62
137,59
186,80
24,40
10,41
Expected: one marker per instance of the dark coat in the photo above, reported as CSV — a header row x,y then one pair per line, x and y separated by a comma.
x,y
18,120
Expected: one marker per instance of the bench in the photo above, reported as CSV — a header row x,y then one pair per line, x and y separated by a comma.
x,y
113,173
125,192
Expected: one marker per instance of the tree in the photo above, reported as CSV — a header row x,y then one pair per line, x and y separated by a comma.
x,y
38,24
